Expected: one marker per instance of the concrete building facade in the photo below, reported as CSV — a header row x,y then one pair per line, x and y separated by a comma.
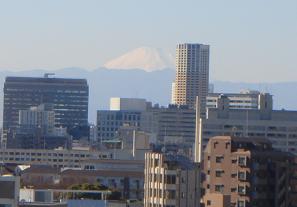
x,y
172,122
249,170
246,99
37,117
170,180
55,158
128,104
9,190
279,126
109,122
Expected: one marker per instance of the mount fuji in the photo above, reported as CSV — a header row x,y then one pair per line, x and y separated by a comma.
x,y
145,58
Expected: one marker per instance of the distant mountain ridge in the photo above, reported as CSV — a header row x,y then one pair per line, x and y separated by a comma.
x,y
146,58
154,86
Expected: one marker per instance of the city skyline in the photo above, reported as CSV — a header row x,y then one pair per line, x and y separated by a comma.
x,y
200,112
66,33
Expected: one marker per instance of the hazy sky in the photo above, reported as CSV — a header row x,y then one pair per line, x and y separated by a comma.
x,y
254,40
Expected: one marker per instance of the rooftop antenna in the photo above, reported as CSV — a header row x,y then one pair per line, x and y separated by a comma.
x,y
247,123
164,139
47,75
198,133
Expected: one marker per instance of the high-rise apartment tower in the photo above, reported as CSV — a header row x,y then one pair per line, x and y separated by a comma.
x,y
192,74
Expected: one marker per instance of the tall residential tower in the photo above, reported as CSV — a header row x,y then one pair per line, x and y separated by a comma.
x,y
192,74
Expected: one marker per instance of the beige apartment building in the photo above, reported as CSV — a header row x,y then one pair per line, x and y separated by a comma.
x,y
170,181
192,74
216,200
248,170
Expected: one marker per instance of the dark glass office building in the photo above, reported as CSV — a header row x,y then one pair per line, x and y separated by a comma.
x,y
68,96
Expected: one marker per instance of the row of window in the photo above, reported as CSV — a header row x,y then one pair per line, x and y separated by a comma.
x,y
241,189
240,203
168,179
241,161
33,154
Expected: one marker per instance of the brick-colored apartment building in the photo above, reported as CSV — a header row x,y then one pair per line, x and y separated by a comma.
x,y
248,170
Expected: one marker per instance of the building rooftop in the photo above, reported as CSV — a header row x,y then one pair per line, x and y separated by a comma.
x,y
115,161
253,114
258,145
41,169
38,169
103,173
176,161
45,80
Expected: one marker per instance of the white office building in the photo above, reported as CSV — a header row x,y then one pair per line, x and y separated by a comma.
x,y
278,126
246,99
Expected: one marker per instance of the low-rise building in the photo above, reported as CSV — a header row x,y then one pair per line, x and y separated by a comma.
x,y
9,190
126,180
56,158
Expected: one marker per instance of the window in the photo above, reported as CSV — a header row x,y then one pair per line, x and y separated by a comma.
x,y
242,161
219,188
227,144
219,173
208,202
170,179
219,159
156,162
241,175
170,194
233,175
241,189
240,203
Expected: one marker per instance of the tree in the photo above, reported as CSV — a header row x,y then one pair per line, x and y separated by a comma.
x,y
115,195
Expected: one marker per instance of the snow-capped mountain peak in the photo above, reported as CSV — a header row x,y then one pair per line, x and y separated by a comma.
x,y
146,58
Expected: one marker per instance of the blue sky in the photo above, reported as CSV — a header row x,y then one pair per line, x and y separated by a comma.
x,y
252,41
